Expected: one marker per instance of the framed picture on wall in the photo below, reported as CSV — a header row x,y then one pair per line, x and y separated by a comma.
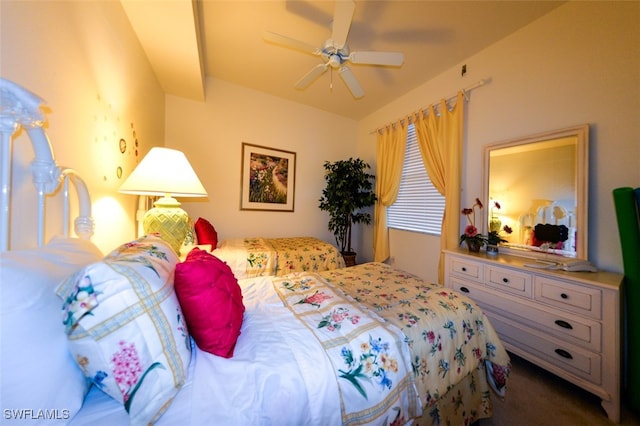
x,y
268,178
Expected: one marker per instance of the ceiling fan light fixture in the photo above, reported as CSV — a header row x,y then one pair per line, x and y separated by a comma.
x,y
335,61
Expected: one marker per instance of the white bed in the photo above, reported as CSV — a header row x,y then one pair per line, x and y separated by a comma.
x,y
258,256
363,345
279,393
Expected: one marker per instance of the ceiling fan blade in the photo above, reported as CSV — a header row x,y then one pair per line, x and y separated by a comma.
x,y
377,58
311,76
290,42
351,82
342,22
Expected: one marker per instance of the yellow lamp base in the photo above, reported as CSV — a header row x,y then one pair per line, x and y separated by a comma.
x,y
168,220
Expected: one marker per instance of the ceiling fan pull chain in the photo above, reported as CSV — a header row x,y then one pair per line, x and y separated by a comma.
x,y
331,80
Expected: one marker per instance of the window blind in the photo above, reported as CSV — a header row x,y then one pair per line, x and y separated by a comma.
x,y
419,206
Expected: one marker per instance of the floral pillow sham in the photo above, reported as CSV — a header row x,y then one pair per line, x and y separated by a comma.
x,y
125,327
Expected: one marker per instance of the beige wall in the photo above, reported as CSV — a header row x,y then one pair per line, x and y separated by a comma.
x,y
85,61
578,64
211,134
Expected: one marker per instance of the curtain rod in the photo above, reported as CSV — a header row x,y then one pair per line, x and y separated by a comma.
x,y
477,84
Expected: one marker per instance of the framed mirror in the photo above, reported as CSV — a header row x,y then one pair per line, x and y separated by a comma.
x,y
537,186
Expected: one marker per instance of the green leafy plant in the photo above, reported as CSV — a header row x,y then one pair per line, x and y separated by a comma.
x,y
349,188
494,238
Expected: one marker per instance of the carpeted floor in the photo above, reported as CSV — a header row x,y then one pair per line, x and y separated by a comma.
x,y
537,397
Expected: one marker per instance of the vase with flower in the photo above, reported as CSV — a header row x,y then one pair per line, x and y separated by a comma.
x,y
494,239
471,236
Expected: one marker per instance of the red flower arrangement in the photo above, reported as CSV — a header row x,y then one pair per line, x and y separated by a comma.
x,y
471,235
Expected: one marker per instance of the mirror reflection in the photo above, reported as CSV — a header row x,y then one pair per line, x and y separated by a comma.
x,y
537,188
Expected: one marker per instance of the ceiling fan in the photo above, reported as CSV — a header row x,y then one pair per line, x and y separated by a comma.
x,y
335,52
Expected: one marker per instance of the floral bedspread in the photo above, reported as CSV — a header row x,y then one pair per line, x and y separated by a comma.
x,y
369,355
448,335
260,257
305,254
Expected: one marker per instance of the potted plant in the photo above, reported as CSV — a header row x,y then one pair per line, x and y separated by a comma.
x,y
494,239
349,188
471,236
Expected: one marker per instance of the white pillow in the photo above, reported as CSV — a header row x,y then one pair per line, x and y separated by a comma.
x,y
126,329
37,371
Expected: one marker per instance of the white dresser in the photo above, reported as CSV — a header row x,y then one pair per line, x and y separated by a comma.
x,y
568,323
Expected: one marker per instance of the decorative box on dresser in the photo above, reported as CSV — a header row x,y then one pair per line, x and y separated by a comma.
x,y
568,323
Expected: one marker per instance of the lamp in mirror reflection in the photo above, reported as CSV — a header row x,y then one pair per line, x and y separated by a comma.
x,y
167,173
495,213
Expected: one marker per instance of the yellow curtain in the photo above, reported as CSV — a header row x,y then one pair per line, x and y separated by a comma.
x,y
440,140
391,146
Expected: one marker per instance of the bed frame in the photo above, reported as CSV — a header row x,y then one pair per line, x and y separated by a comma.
x,y
21,108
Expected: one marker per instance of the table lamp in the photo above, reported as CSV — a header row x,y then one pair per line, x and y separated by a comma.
x,y
165,172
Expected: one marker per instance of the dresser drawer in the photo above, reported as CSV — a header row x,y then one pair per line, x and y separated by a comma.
x,y
509,280
567,357
466,268
473,290
580,331
568,296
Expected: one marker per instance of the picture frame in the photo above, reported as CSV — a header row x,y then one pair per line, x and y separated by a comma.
x,y
268,179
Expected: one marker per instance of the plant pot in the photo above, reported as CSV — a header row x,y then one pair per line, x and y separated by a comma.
x,y
349,258
473,246
492,249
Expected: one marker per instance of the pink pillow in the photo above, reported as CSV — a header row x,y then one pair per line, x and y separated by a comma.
x,y
211,301
206,233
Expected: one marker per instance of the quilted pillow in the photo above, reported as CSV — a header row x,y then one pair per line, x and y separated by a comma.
x,y
36,367
211,300
206,233
125,327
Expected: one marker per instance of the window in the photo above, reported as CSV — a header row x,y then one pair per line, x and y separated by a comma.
x,y
419,206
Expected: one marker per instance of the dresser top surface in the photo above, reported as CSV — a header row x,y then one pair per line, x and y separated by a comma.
x,y
601,278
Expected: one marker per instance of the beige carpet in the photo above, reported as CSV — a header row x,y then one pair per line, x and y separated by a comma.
x,y
536,397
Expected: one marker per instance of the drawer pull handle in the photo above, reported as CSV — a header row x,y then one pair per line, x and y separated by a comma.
x,y
505,280
564,295
564,353
464,269
564,324
464,289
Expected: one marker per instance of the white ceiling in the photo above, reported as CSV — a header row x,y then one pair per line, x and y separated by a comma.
x,y
186,40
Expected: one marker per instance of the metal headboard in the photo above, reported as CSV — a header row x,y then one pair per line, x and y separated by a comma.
x,y
19,107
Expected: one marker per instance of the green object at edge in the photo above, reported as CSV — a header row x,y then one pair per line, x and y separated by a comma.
x,y
627,203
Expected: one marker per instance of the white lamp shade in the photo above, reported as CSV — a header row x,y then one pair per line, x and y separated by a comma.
x,y
164,171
